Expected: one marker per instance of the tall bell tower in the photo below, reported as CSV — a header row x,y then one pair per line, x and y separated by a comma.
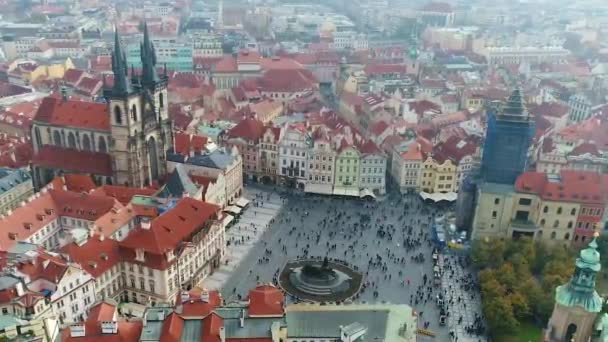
x,y
139,117
577,303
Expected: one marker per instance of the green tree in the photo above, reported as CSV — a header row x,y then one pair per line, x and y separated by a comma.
x,y
499,314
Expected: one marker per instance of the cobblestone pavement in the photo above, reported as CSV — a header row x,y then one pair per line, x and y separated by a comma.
x,y
470,301
320,226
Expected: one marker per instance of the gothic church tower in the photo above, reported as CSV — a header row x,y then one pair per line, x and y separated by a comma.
x,y
139,117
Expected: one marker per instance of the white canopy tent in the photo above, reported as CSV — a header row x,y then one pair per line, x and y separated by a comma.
x,y
437,197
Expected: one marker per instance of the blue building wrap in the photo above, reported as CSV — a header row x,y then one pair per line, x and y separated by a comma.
x,y
508,138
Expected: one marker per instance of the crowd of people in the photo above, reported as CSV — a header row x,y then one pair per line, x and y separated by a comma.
x,y
391,242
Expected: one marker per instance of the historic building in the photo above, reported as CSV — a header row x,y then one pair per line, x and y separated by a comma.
x,y
123,141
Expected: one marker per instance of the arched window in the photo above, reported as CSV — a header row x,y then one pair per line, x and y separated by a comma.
x,y
101,145
86,142
570,224
542,222
583,238
71,140
117,115
573,211
553,234
545,209
556,224
56,138
567,236
134,113
559,210
161,100
576,238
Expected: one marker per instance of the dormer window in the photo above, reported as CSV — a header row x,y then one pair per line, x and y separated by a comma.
x,y
140,255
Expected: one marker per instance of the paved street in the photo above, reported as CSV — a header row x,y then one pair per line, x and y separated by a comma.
x,y
381,238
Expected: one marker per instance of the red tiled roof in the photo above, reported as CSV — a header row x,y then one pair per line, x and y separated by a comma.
x,y
212,325
89,85
571,186
78,183
72,76
195,306
72,160
287,80
127,331
172,328
70,113
170,229
44,266
266,300
95,256
585,148
381,69
552,109
248,57
123,194
249,129
185,143
455,148
7,89
280,63
227,64
102,311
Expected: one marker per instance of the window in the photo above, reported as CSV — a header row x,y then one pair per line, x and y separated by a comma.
x,y
56,138
573,211
525,201
553,234
117,115
134,113
494,214
496,200
567,236
570,224
542,222
161,100
556,224
559,210
545,209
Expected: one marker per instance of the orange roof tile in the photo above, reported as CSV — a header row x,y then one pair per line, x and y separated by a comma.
x,y
123,194
72,160
70,113
95,256
266,300
570,186
167,231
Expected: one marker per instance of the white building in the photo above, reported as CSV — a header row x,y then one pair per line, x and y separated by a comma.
x,y
292,154
529,54
406,165
321,159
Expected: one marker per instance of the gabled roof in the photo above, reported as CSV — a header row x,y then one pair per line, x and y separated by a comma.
x,y
96,256
570,186
123,194
249,129
187,143
266,300
287,80
167,231
70,113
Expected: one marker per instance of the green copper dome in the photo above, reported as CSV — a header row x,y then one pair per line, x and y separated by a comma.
x,y
580,290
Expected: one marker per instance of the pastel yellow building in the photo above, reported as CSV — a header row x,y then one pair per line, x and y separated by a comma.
x,y
438,176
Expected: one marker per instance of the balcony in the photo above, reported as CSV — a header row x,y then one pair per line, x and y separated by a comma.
x,y
523,225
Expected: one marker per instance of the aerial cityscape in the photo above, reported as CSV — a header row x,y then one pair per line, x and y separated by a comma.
x,y
304,170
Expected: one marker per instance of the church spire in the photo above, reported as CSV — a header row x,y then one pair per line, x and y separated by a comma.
x,y
148,60
580,290
119,68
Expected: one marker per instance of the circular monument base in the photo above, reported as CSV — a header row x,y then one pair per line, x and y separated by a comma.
x,y
320,280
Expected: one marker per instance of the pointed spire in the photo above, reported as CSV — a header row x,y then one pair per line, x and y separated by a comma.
x,y
119,68
515,104
148,60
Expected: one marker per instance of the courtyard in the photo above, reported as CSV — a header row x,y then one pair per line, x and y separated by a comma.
x,y
388,240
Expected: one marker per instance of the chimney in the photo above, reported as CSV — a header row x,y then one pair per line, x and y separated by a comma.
x,y
205,296
64,94
145,224
101,237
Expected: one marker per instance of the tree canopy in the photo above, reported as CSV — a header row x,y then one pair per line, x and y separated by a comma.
x,y
518,280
